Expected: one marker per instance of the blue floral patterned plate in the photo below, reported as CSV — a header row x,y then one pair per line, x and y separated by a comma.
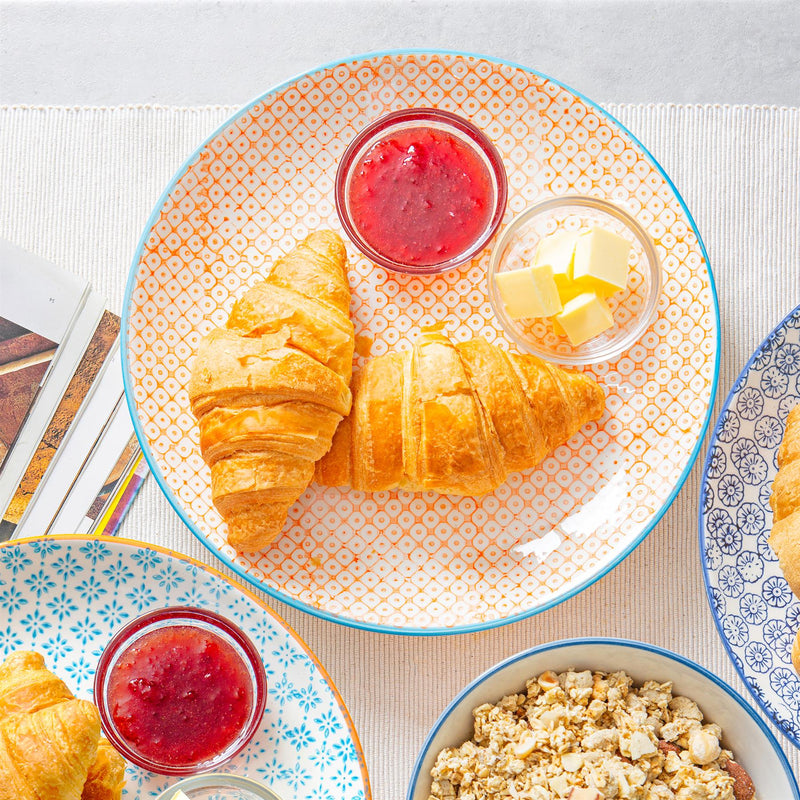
x,y
754,609
66,595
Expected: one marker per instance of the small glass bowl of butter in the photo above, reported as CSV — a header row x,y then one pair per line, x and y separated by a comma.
x,y
575,280
218,786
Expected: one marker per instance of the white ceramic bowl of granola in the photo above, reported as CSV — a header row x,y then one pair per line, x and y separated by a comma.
x,y
743,732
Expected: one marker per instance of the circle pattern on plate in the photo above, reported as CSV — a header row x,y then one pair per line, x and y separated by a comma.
x,y
399,561
66,596
756,613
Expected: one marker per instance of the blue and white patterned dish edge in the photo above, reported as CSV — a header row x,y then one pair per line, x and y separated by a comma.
x,y
754,609
66,596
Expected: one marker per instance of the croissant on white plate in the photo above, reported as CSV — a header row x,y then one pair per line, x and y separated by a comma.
x,y
269,389
455,418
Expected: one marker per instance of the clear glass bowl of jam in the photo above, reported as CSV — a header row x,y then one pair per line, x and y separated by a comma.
x,y
219,786
180,690
421,190
633,308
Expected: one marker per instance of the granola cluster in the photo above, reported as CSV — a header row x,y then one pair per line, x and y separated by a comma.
x,y
590,735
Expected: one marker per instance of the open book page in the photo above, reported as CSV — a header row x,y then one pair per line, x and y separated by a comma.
x,y
39,297
24,359
103,339
66,438
96,440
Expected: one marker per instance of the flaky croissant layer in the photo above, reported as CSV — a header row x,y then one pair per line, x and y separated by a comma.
x,y
50,743
269,389
455,418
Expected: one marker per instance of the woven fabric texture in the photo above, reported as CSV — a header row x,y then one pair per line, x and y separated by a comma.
x,y
77,186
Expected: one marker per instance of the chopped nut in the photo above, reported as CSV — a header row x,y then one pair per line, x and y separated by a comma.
x,y
551,717
684,707
640,745
668,747
525,746
559,785
703,747
548,680
603,739
584,794
743,788
571,762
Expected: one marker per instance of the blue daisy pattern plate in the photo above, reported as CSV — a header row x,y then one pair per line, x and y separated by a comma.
x,y
754,609
66,595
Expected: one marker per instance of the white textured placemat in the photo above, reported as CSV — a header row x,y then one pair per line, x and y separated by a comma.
x,y
77,185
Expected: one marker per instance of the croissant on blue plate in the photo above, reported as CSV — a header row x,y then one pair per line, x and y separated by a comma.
x,y
50,743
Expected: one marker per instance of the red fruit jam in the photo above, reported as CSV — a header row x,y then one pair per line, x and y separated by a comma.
x,y
420,196
180,695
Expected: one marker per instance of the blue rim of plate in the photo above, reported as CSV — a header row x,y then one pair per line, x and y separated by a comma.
x,y
702,527
599,640
214,572
298,604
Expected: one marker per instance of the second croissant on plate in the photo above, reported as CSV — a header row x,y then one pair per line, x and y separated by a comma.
x,y
455,418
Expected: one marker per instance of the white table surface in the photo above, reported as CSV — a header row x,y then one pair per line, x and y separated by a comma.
x,y
192,54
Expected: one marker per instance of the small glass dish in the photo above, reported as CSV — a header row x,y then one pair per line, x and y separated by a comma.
x,y
166,642
634,307
472,143
218,786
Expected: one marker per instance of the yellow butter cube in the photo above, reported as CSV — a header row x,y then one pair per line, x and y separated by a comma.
x,y
557,329
529,292
557,251
581,285
602,255
585,317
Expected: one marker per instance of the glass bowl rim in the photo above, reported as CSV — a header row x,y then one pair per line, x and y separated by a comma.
x,y
177,615
444,119
212,779
614,348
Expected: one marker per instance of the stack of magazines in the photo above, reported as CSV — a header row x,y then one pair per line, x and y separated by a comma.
x,y
69,459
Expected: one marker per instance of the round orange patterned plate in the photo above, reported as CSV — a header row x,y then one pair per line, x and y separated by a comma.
x,y
395,561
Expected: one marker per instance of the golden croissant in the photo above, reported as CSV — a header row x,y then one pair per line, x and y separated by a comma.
x,y
785,502
455,418
48,753
26,685
106,777
269,389
27,688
